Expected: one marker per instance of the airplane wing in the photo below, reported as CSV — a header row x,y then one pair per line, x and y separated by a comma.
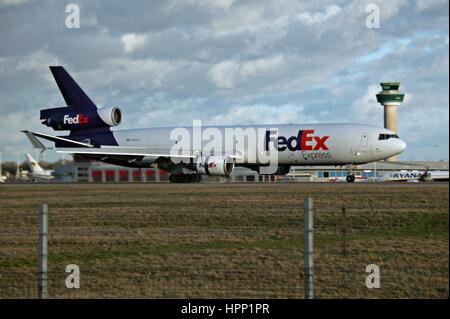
x,y
129,154
117,151
103,152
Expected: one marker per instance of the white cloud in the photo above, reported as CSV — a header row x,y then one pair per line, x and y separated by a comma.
x,y
13,141
239,20
310,18
264,114
268,52
11,2
38,61
133,41
157,110
226,74
422,5
261,65
139,74
390,9
210,4
268,34
419,123
412,125
366,108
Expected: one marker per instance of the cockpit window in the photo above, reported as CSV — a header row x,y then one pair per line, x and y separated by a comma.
x,y
387,136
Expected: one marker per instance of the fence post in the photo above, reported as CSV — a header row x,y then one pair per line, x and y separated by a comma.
x,y
344,231
309,248
42,261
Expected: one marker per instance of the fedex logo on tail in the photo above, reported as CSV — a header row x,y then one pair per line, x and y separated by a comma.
x,y
77,119
305,140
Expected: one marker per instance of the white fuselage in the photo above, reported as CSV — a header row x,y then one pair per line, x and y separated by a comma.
x,y
316,144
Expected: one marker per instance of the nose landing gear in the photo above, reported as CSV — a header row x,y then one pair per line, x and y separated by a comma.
x,y
350,178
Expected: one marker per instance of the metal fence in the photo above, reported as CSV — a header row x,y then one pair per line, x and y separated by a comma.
x,y
229,249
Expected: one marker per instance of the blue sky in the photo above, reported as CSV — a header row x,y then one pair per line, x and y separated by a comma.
x,y
230,62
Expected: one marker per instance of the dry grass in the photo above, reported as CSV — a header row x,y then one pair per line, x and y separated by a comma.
x,y
241,240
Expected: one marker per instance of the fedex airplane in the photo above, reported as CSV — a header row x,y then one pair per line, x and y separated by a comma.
x,y
90,137
36,171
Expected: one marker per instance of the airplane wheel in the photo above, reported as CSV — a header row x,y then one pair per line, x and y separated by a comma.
x,y
350,178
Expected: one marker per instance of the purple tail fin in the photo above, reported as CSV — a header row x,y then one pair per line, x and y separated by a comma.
x,y
70,90
80,116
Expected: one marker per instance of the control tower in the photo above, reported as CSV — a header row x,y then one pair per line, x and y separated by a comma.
x,y
390,97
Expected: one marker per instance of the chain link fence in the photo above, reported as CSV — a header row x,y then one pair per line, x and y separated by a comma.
x,y
226,241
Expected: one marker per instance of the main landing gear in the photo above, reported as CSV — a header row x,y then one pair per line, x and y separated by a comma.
x,y
185,178
350,178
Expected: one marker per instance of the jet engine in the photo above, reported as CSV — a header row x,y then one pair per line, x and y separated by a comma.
x,y
215,165
67,118
112,116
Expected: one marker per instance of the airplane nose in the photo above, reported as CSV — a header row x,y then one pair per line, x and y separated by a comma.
x,y
401,145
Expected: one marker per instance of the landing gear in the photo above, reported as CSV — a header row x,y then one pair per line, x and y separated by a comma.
x,y
350,178
185,178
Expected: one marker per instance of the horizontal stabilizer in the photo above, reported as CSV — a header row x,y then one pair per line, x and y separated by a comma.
x,y
34,141
55,139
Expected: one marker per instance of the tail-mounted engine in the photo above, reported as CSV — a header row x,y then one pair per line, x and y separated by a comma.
x,y
68,118
215,165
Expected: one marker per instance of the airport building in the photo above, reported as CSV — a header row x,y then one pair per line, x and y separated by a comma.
x,y
98,172
390,97
365,172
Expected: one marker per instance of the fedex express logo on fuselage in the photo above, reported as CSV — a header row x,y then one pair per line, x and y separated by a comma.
x,y
77,119
208,165
304,141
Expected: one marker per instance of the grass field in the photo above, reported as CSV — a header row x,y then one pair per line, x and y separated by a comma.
x,y
226,240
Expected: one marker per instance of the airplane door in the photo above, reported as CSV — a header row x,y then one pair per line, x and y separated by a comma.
x,y
364,141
